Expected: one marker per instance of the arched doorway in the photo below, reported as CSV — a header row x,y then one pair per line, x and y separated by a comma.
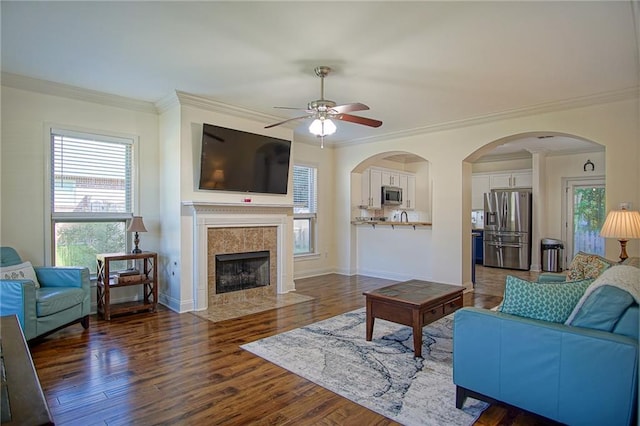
x,y
392,240
550,159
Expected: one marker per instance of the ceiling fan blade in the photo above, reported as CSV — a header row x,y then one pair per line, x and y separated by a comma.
x,y
356,106
359,120
294,108
285,121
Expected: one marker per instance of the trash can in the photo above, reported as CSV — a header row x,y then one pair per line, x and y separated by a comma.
x,y
552,255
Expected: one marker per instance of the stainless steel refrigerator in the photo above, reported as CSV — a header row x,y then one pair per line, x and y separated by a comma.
x,y
507,229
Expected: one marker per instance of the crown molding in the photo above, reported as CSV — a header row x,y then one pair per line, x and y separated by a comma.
x,y
208,104
179,98
166,103
187,99
73,92
581,102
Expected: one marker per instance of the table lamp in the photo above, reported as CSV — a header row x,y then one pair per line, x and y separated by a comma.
x,y
136,225
624,225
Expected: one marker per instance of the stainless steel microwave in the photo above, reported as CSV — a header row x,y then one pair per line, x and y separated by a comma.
x,y
391,195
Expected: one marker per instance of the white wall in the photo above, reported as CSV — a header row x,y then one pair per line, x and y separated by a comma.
x,y
170,207
570,166
614,125
25,116
398,253
169,149
324,261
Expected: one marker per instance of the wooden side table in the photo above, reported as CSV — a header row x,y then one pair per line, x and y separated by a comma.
x,y
148,279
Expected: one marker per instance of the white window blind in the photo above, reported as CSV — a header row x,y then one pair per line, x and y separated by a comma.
x,y
304,209
304,189
90,175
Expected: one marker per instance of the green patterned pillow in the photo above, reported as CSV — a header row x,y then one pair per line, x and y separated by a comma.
x,y
585,266
547,302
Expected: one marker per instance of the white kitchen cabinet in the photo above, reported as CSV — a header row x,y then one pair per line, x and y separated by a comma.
x,y
500,181
480,184
522,179
511,180
371,195
373,179
408,185
390,178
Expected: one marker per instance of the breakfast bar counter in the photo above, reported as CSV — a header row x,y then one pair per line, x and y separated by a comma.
x,y
375,223
394,250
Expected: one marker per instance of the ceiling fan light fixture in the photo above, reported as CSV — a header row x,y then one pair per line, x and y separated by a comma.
x,y
322,127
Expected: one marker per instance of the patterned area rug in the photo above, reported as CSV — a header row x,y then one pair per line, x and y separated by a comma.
x,y
382,375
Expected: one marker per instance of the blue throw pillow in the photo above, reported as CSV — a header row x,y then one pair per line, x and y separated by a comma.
x,y
547,302
603,308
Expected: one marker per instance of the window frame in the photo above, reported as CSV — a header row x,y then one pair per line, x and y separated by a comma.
x,y
311,217
51,218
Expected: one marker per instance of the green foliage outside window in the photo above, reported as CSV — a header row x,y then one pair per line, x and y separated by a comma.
x,y
588,217
589,209
78,243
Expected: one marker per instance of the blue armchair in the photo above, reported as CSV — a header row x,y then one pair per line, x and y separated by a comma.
x,y
62,297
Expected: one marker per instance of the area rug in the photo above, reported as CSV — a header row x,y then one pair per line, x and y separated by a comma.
x,y
382,375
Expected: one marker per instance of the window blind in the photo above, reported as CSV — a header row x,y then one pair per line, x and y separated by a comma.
x,y
90,176
304,189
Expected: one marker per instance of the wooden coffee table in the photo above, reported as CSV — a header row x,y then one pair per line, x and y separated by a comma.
x,y
412,303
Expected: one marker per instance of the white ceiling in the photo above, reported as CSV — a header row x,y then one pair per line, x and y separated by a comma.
x,y
415,64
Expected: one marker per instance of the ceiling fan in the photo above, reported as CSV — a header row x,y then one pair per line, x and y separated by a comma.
x,y
323,111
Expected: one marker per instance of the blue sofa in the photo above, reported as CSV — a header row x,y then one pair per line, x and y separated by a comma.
x,y
573,375
63,297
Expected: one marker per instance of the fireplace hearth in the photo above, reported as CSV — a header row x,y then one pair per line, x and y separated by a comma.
x,y
242,271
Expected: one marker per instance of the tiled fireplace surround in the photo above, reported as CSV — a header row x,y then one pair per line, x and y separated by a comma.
x,y
241,240
224,229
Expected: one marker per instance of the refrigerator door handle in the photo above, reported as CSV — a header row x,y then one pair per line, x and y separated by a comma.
x,y
505,209
504,245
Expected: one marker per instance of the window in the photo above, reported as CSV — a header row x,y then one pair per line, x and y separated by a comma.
x,y
91,196
304,209
587,214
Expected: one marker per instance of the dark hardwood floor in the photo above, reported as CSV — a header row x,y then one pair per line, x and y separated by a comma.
x,y
167,368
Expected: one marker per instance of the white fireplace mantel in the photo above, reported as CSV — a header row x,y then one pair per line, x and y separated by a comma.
x,y
216,206
206,215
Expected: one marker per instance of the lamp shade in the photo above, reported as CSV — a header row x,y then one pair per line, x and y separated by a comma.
x,y
621,224
136,225
322,127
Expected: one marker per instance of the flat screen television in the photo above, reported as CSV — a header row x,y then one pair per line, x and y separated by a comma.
x,y
233,160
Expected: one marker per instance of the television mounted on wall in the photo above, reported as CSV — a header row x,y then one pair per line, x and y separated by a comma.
x,y
234,160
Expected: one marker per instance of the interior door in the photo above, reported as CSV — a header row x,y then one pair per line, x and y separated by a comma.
x,y
585,214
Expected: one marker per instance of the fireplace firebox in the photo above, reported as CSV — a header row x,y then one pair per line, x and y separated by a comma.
x,y
241,271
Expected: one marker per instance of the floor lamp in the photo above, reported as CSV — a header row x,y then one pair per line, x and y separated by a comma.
x,y
623,225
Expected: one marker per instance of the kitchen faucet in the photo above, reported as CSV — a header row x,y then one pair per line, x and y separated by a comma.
x,y
406,217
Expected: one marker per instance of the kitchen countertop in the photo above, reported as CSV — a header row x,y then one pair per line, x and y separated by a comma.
x,y
389,223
